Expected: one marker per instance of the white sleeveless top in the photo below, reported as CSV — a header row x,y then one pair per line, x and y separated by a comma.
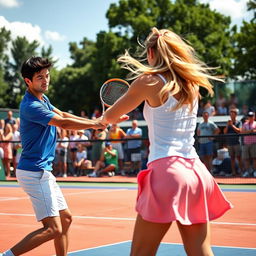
x,y
171,133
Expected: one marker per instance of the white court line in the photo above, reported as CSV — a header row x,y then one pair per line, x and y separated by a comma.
x,y
65,194
94,192
128,219
13,198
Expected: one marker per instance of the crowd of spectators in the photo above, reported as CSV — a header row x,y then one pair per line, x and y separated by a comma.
x,y
114,151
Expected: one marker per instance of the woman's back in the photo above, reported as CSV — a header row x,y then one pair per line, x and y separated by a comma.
x,y
171,133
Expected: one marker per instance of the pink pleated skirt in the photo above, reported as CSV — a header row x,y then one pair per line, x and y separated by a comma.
x,y
179,189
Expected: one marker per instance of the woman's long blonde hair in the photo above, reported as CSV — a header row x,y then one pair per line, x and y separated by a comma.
x,y
185,73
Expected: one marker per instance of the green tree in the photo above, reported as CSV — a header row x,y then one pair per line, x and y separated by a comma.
x,y
104,65
73,90
207,30
47,53
245,48
21,50
5,37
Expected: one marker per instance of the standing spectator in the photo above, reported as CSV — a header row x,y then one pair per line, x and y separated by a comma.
x,y
1,130
200,108
134,147
62,153
233,142
81,161
96,113
9,120
84,114
208,107
15,145
97,146
233,100
108,162
6,135
221,100
249,147
207,128
72,145
244,110
116,133
222,110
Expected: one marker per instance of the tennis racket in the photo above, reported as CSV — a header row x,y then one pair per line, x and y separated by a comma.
x,y
111,91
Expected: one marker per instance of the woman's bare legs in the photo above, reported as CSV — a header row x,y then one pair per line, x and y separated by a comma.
x,y
147,237
196,239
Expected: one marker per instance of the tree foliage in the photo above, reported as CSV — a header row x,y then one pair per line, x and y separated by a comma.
x,y
245,48
207,30
76,86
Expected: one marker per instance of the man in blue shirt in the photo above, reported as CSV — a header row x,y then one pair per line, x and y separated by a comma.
x,y
134,147
38,121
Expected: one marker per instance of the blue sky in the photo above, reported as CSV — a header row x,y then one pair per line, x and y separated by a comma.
x,y
58,22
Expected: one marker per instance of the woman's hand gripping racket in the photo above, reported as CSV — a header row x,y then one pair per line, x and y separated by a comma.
x,y
111,91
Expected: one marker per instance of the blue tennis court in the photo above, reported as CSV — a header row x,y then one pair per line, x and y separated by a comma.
x,y
165,249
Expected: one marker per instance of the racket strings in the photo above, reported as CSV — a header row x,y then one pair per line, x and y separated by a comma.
x,y
112,91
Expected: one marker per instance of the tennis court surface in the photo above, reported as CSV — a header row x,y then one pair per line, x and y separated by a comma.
x,y
104,216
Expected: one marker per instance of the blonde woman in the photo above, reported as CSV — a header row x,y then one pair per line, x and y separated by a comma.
x,y
176,186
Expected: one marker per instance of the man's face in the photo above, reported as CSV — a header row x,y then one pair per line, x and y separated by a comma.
x,y
233,114
205,116
40,81
134,124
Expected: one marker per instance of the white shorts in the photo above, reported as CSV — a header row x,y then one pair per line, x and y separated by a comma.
x,y
119,147
45,194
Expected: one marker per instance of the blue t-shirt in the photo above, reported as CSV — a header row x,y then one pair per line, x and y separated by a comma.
x,y
38,139
134,143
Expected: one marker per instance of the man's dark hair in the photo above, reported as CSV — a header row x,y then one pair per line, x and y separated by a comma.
x,y
34,65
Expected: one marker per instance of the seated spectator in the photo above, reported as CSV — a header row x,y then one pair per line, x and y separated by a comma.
x,y
81,162
233,142
82,136
108,162
222,163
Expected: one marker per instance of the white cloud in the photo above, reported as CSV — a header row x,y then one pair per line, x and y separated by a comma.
x,y
31,32
9,3
233,8
54,36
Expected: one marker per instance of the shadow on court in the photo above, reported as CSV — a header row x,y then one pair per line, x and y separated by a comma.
x,y
165,249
